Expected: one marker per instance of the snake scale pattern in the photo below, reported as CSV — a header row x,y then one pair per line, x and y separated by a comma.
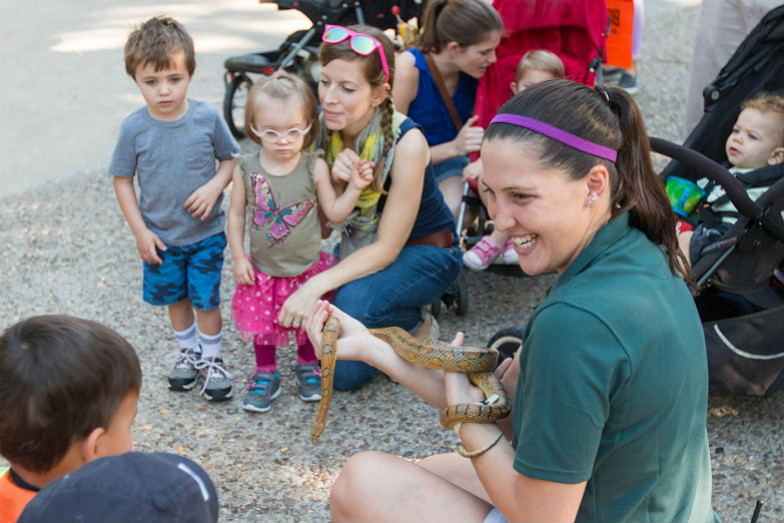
x,y
477,363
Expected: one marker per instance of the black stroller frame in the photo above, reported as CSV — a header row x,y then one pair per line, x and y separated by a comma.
x,y
741,304
298,54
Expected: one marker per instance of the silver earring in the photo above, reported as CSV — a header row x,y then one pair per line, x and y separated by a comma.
x,y
591,200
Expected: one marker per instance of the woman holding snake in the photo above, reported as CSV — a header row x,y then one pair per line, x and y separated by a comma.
x,y
610,386
397,249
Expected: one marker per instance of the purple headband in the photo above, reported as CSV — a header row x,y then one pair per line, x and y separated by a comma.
x,y
559,135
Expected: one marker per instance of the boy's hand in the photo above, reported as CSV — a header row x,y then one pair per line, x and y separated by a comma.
x,y
202,200
146,243
243,272
362,175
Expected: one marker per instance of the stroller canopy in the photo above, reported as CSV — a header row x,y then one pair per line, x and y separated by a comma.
x,y
572,29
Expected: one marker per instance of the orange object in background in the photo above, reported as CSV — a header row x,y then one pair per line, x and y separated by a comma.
x,y
620,14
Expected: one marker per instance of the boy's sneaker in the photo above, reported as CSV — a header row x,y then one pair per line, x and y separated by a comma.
x,y
216,380
509,256
264,387
628,83
183,375
481,255
309,379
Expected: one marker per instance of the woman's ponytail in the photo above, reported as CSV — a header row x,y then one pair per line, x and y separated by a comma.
x,y
466,22
639,191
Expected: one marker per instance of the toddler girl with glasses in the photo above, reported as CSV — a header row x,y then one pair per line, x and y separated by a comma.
x,y
281,187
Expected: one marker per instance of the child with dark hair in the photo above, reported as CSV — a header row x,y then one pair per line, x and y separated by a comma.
x,y
68,394
171,145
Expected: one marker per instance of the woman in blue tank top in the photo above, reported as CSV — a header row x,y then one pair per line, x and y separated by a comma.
x,y
398,249
459,38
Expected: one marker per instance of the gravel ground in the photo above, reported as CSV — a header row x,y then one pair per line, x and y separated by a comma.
x,y
58,259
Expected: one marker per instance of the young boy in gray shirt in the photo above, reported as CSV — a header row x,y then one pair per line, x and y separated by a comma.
x,y
172,144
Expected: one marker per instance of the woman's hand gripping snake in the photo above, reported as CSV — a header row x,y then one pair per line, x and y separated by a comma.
x,y
477,363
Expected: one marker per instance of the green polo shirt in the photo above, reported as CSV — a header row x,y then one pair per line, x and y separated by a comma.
x,y
614,386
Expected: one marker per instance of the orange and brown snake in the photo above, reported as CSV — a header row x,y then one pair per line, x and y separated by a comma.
x,y
477,363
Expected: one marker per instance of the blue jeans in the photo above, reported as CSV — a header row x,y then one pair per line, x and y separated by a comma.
x,y
395,297
449,168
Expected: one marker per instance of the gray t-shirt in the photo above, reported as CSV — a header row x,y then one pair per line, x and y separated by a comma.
x,y
173,159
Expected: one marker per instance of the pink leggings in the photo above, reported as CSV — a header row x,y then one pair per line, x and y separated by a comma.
x,y
265,356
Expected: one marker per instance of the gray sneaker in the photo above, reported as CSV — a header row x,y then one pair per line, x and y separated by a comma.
x,y
183,375
263,388
309,378
628,83
215,379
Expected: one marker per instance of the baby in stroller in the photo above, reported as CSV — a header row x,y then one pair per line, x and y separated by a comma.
x,y
756,141
535,66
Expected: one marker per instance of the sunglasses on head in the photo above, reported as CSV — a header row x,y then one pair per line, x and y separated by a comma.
x,y
361,44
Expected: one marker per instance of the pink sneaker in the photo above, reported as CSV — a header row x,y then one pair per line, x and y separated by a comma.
x,y
481,255
509,256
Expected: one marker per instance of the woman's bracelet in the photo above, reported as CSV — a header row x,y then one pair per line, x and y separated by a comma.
x,y
474,453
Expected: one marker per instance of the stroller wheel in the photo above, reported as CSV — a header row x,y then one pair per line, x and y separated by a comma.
x,y
234,104
506,341
455,297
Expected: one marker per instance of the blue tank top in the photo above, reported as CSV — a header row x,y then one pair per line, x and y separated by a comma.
x,y
428,109
433,215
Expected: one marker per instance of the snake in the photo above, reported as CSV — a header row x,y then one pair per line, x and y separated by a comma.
x,y
478,364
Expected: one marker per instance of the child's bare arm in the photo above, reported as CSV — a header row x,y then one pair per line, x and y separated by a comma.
x,y
146,240
336,207
235,229
202,200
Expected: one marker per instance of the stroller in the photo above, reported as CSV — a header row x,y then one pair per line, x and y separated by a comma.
x,y
738,289
739,286
298,54
575,30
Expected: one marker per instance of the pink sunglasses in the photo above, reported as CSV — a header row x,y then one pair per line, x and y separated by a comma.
x,y
361,44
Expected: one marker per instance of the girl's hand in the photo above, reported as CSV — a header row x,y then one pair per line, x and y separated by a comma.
x,y
362,176
469,139
243,272
344,165
353,339
146,243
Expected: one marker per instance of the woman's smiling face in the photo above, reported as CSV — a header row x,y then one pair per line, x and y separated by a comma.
x,y
542,209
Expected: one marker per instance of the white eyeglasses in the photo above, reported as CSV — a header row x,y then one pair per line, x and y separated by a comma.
x,y
273,136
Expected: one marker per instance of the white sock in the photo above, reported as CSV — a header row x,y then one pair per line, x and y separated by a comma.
x,y
189,338
210,345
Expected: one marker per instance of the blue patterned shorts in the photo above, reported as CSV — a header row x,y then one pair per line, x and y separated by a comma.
x,y
188,271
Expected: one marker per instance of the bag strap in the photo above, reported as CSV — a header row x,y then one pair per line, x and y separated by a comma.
x,y
436,74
